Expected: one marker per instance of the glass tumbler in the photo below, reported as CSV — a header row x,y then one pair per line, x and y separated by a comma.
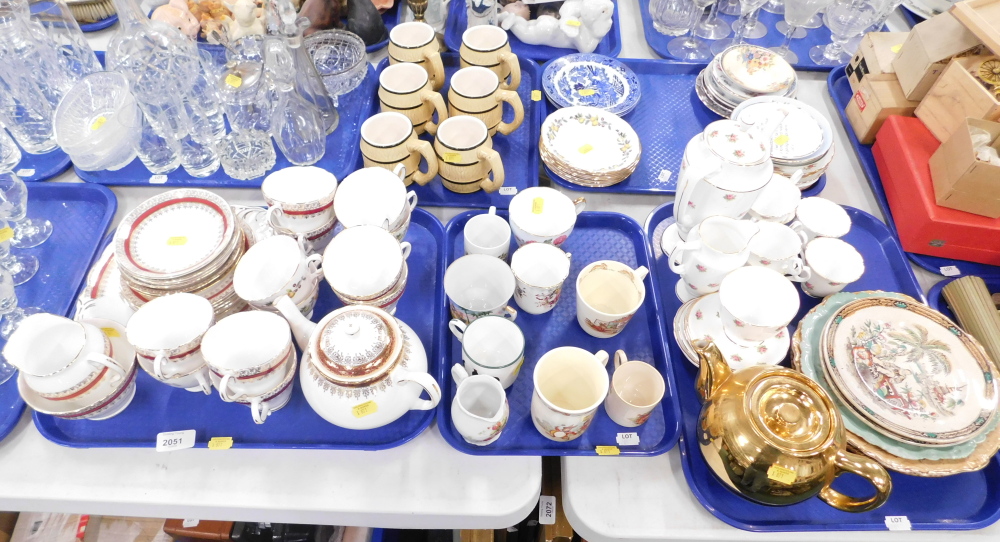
x,y
671,17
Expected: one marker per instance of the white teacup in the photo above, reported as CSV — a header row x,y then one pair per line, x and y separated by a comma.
x,y
834,264
364,263
478,285
608,294
492,346
166,334
247,352
539,271
570,384
60,358
300,198
108,307
779,247
543,215
479,409
636,388
487,234
263,405
777,201
274,267
373,196
755,304
819,217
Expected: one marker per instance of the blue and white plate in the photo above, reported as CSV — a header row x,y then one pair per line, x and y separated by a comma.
x,y
594,80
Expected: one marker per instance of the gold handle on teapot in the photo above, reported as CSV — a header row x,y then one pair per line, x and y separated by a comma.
x,y
866,468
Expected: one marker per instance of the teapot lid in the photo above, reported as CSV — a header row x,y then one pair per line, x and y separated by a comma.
x,y
356,344
791,411
727,139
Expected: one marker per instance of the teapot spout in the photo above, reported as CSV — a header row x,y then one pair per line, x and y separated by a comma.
x,y
713,369
302,328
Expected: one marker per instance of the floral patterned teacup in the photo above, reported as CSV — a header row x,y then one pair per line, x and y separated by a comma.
x,y
543,215
636,388
539,272
492,346
833,264
570,384
756,303
608,294
478,285
479,409
778,247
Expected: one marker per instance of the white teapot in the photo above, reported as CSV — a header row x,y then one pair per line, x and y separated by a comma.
x,y
361,368
723,171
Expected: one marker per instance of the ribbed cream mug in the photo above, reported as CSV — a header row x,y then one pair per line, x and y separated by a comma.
x,y
466,157
388,139
489,47
405,88
415,42
475,91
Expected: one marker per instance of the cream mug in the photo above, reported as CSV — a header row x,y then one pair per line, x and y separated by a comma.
x,y
166,334
636,388
405,88
487,234
779,247
300,198
248,352
755,304
466,157
415,42
373,196
478,285
479,409
388,140
491,345
475,91
539,271
489,46
833,263
274,267
608,294
570,384
543,215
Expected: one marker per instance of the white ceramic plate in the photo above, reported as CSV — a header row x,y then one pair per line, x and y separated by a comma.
x,y
591,139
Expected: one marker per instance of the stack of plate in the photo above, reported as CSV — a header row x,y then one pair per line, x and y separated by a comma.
x,y
742,72
589,146
184,240
916,393
589,79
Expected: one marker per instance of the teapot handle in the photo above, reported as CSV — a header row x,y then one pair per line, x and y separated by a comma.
x,y
866,468
429,385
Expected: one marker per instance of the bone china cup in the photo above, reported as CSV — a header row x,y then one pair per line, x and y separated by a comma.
x,y
488,46
478,285
636,388
166,334
415,42
539,271
59,358
276,266
755,304
373,197
570,384
300,198
833,264
608,294
543,215
476,92
365,264
466,157
820,217
491,345
487,234
405,88
388,140
778,247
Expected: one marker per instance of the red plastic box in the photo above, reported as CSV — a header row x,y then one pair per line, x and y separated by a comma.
x,y
902,149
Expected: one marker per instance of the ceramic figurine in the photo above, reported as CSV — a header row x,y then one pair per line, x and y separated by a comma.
x,y
581,25
176,14
245,21
481,12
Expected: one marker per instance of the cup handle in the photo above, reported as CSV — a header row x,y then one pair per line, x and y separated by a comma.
x,y
510,59
436,73
439,107
427,152
799,229
805,274
426,382
602,357
224,389
496,166
400,171
580,205
269,217
866,468
405,247
514,100
457,328
640,272
459,373
204,382
314,264
259,410
509,313
411,198
620,358
158,361
492,211
107,361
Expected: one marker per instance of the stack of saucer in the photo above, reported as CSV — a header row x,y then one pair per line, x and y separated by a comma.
x,y
589,146
742,72
185,240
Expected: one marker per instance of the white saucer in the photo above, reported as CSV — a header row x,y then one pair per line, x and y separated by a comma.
x,y
683,292
670,240
702,322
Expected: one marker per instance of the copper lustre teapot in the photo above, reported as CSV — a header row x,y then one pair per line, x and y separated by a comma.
x,y
774,436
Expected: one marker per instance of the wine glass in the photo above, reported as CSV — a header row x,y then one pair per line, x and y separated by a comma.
x,y
10,155
776,7
729,7
845,19
689,47
671,17
745,27
14,207
797,13
712,27
885,9
21,267
10,314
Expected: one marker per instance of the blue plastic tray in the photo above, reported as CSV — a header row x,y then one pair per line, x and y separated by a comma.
x,y
41,167
158,407
597,236
668,115
80,214
99,25
342,151
458,22
961,502
912,18
935,297
773,38
840,91
518,150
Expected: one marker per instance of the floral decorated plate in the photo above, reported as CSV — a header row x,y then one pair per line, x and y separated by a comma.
x,y
908,370
591,139
590,79
699,319
757,70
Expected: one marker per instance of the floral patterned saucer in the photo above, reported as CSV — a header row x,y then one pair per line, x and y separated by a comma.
x,y
591,79
699,319
756,69
585,141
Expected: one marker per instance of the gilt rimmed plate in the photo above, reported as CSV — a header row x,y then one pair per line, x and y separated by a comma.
x,y
906,369
699,320
591,79
757,70
594,141
175,233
